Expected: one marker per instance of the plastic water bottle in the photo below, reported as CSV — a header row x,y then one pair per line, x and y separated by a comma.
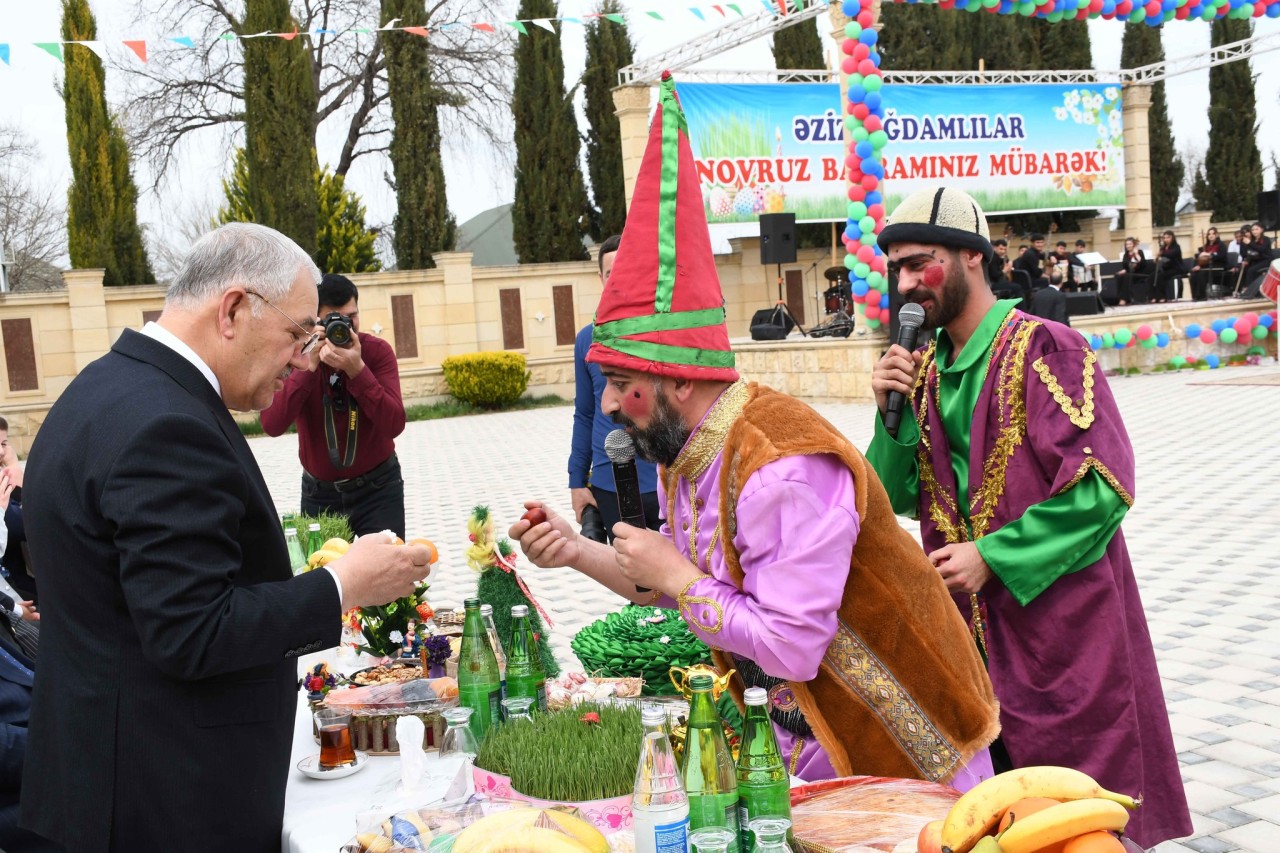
x,y
659,805
486,613
297,559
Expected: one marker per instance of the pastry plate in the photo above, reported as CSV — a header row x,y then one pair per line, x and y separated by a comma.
x,y
310,766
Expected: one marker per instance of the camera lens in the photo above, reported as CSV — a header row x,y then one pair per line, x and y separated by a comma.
x,y
337,330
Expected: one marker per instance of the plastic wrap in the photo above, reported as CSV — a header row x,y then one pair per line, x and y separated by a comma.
x,y
865,813
375,709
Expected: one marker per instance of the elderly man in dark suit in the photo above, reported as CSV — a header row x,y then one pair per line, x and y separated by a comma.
x,y
164,710
1050,302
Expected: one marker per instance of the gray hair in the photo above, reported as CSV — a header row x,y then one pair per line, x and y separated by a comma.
x,y
240,253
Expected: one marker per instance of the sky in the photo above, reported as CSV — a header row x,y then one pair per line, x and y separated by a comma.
x,y
478,179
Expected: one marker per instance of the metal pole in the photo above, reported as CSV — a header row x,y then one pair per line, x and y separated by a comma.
x,y
4,270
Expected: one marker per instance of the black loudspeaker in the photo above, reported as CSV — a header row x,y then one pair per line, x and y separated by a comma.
x,y
1083,303
1268,211
770,324
777,238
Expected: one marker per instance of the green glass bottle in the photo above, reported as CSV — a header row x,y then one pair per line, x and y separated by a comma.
x,y
314,539
709,776
525,678
764,788
479,685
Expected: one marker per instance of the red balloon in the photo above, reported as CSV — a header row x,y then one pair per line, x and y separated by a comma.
x,y
850,46
1243,326
865,254
1208,336
848,66
946,4
1259,9
871,124
1252,317
878,263
870,182
861,111
1182,13
866,68
875,211
873,311
860,51
864,18
1154,8
1124,7
1144,332
852,161
857,193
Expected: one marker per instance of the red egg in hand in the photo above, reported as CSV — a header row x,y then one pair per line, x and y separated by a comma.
x,y
535,516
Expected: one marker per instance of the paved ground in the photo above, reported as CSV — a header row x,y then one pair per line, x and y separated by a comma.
x,y
1203,535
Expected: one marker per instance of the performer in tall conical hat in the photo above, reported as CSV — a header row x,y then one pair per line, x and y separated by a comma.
x,y
780,548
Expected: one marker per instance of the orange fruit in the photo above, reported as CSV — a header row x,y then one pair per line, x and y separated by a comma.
x,y
1023,808
396,540
1094,842
429,545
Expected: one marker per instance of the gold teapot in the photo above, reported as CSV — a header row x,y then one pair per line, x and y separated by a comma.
x,y
680,677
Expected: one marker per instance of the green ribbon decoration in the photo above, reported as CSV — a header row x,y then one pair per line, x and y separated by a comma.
x,y
679,321
672,123
667,354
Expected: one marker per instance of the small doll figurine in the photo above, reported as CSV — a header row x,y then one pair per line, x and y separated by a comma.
x,y
409,648
318,682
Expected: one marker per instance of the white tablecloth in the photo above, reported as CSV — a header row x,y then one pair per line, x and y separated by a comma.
x,y
320,815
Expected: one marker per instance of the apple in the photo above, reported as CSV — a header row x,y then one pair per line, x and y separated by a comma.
x,y
535,516
930,839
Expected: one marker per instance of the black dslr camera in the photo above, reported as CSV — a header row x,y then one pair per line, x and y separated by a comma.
x,y
338,329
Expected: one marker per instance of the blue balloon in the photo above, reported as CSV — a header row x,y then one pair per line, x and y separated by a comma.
x,y
868,37
1273,11
1108,7
852,8
864,149
1231,321
869,167
873,100
1266,320
853,232
884,301
1162,339
1212,360
1193,330
860,287
1118,345
857,94
874,197
1218,325
1095,341
1154,21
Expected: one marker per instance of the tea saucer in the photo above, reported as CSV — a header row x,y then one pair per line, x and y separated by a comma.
x,y
310,766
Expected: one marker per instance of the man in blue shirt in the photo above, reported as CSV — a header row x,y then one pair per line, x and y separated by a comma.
x,y
590,472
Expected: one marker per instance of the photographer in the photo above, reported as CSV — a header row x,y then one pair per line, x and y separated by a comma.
x,y
348,410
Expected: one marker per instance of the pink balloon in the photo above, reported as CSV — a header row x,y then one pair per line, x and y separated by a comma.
x,y
866,67
861,111
1252,317
865,19
848,66
1144,332
860,51
1208,336
873,311
1154,8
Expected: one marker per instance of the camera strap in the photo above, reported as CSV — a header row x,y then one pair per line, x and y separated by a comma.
x,y
331,431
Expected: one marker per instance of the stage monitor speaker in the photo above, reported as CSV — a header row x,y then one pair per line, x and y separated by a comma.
x,y
1268,210
777,238
1087,302
770,324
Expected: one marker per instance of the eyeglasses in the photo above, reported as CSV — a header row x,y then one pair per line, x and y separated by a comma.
x,y
313,338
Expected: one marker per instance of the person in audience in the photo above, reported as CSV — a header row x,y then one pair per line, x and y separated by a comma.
x,y
1212,255
1233,247
1031,262
1050,302
1132,259
1061,259
1168,267
999,268
1081,272
1255,257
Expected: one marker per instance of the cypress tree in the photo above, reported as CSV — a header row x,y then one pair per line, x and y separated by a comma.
x,y
280,112
799,46
102,224
1142,46
609,49
1233,164
550,214
918,37
1062,45
423,224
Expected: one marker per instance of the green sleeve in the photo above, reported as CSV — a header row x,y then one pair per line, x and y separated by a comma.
x,y
1054,538
894,461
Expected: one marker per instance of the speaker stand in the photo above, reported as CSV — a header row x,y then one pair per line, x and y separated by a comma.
x,y
780,311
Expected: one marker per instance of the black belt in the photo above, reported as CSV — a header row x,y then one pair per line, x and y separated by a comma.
x,y
351,484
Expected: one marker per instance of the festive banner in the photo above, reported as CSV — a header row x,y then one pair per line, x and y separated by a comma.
x,y
767,149
1014,148
774,148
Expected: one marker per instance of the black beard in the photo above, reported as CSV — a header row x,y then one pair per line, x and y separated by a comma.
x,y
664,438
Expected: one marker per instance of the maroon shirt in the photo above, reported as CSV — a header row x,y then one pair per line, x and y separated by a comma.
x,y
376,389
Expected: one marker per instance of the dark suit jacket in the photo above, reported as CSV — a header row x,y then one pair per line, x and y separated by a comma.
x,y
164,709
1051,304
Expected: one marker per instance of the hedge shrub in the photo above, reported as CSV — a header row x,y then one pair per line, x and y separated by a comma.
x,y
487,379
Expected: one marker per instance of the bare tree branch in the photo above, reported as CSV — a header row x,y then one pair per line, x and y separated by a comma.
x,y
33,221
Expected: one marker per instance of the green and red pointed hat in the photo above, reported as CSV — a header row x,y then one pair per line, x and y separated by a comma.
x,y
662,310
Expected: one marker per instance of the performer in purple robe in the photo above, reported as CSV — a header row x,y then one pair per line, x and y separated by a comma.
x,y
1016,461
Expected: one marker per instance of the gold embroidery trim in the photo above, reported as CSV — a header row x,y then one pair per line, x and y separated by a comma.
x,y
685,604
1112,480
708,441
1083,416
855,664
657,594
796,749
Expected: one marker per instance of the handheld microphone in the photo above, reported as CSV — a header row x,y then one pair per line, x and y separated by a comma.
x,y
910,319
621,450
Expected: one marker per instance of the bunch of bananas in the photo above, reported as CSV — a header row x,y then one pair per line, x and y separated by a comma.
x,y
1033,810
521,830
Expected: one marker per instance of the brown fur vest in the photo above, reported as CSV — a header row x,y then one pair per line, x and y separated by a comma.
x,y
902,691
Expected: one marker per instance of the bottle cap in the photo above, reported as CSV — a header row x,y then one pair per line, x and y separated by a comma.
x,y
653,715
519,610
470,603
315,525
486,609
701,683
289,531
755,696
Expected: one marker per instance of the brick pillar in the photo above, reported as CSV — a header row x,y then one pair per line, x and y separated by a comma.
x,y
87,304
460,330
631,106
1137,164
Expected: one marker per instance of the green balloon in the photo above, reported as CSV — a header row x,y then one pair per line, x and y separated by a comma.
x,y
868,239
871,324
1209,13
860,134
867,224
1137,15
1149,343
857,209
1026,10
876,281
990,4
854,79
1108,340
1123,336
861,270
1259,333
851,123
1054,17
853,29
973,7
872,82
1169,15
879,139
1178,361
1228,335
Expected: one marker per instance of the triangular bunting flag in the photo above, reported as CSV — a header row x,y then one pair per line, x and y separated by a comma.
x,y
488,28
321,31
519,27
735,7
572,20
4,53
719,9
545,23
98,48
697,13
231,37
185,41
391,24
53,48
655,16
364,31
138,47
287,36
617,19
417,31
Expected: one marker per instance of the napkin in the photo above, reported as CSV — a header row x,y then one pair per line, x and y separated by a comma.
x,y
413,761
